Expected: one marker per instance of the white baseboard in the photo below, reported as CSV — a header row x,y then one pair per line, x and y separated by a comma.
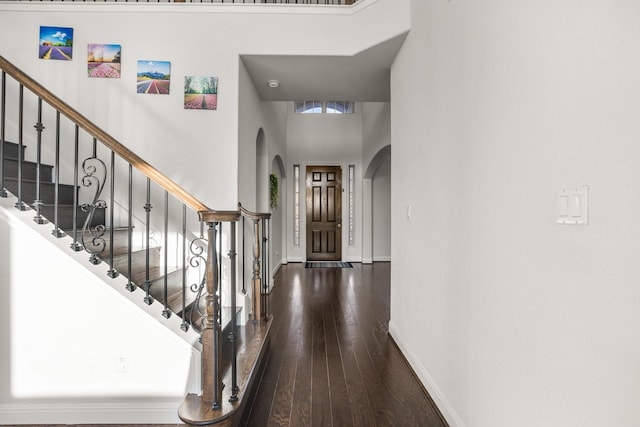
x,y
68,412
441,401
380,258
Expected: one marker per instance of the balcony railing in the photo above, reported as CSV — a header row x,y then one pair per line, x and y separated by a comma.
x,y
311,2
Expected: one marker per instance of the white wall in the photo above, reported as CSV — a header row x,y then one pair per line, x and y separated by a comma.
x,y
510,319
197,149
376,129
63,332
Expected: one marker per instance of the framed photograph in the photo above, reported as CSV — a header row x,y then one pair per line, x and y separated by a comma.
x,y
56,43
103,60
200,93
154,77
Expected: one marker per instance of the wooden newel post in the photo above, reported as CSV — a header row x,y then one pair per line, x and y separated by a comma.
x,y
256,281
211,334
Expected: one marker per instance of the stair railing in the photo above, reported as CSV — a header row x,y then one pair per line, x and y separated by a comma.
x,y
259,275
193,240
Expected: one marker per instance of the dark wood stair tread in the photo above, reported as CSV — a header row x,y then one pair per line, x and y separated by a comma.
x,y
11,149
29,170
66,192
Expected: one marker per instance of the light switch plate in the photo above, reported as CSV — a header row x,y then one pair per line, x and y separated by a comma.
x,y
573,206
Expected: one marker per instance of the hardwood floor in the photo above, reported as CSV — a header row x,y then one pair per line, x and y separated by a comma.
x,y
332,362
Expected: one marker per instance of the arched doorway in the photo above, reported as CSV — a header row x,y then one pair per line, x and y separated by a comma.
x,y
376,202
277,244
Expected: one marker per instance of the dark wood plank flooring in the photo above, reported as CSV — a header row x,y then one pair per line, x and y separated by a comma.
x,y
332,362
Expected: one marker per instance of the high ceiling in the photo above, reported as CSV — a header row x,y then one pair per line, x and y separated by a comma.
x,y
362,77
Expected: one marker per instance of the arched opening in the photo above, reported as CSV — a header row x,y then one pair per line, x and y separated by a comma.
x,y
376,201
277,244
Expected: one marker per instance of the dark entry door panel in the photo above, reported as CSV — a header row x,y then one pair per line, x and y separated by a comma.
x,y
324,213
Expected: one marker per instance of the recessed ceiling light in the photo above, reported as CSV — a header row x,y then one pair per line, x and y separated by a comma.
x,y
273,83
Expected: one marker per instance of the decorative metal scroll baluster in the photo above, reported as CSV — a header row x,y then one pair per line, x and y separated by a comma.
x,y
3,106
19,205
75,246
56,202
166,312
113,273
148,299
93,235
39,219
130,286
198,259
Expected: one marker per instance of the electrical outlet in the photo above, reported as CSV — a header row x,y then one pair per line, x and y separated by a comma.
x,y
122,363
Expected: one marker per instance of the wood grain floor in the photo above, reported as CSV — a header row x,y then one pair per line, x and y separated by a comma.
x,y
332,362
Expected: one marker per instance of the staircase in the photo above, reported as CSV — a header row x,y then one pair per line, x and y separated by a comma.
x,y
71,219
167,244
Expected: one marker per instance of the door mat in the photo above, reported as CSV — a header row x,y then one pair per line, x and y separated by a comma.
x,y
327,265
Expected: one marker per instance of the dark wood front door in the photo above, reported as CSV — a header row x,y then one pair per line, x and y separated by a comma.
x,y
324,213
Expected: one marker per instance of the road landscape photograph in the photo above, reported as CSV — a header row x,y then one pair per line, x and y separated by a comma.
x,y
154,77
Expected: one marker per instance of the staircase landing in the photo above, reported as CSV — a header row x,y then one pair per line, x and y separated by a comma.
x,y
253,345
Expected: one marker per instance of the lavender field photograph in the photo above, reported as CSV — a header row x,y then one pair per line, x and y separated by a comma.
x,y
200,93
56,43
103,60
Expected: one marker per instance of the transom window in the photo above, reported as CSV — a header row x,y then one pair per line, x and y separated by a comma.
x,y
324,107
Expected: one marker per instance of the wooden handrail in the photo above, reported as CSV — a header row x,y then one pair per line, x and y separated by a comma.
x,y
109,141
253,215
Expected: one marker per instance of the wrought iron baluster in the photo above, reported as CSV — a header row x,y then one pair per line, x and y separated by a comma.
x,y
255,279
233,333
113,273
38,202
57,232
166,312
219,262
265,268
3,105
19,205
148,299
77,247
244,258
185,325
130,286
